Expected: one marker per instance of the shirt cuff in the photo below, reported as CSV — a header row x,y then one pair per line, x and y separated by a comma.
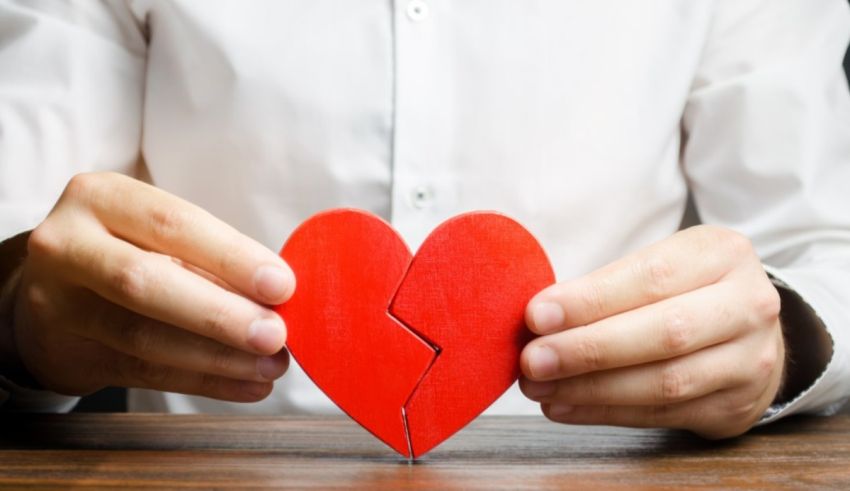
x,y
830,390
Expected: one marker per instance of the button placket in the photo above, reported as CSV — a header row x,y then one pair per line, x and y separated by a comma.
x,y
420,129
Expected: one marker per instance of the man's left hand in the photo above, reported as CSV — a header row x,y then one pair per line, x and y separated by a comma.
x,y
683,334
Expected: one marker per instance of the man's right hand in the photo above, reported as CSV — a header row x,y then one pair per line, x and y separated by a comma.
x,y
127,285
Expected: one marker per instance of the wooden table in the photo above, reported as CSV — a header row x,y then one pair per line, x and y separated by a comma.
x,y
138,450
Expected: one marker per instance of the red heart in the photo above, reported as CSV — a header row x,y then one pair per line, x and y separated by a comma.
x,y
413,349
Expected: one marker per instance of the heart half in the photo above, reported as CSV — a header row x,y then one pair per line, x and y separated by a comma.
x,y
412,348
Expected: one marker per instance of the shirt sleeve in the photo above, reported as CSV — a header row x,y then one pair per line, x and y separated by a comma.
x,y
767,153
71,96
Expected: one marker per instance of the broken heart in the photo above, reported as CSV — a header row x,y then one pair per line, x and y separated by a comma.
x,y
412,348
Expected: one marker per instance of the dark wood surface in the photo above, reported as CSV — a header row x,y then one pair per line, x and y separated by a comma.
x,y
174,451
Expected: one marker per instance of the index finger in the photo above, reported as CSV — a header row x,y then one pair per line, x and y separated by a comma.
x,y
687,260
156,220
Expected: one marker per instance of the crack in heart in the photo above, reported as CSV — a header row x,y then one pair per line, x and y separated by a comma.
x,y
437,350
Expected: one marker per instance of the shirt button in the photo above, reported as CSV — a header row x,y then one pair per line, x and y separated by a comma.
x,y
421,197
417,10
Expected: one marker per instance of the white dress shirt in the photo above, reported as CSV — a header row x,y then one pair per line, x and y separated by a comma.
x,y
589,121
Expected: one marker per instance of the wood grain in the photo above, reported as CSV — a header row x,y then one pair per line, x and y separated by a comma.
x,y
205,451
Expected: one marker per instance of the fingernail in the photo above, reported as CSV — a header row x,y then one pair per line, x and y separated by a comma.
x,y
255,389
271,367
267,334
273,283
543,362
538,389
547,316
557,410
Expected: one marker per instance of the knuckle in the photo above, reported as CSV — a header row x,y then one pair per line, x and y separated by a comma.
x,y
218,321
37,300
142,340
676,332
658,275
766,363
741,409
738,245
230,257
734,244
712,238
132,279
153,375
593,390
767,304
45,240
82,186
90,187
674,385
223,359
589,355
168,222
592,300
709,234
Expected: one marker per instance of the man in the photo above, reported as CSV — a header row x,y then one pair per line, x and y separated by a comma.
x,y
589,122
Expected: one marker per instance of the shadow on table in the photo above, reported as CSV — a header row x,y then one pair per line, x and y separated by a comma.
x,y
109,400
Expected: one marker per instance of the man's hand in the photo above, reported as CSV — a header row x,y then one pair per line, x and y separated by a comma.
x,y
127,285
683,334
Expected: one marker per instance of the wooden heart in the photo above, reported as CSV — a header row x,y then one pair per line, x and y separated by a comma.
x,y
412,348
